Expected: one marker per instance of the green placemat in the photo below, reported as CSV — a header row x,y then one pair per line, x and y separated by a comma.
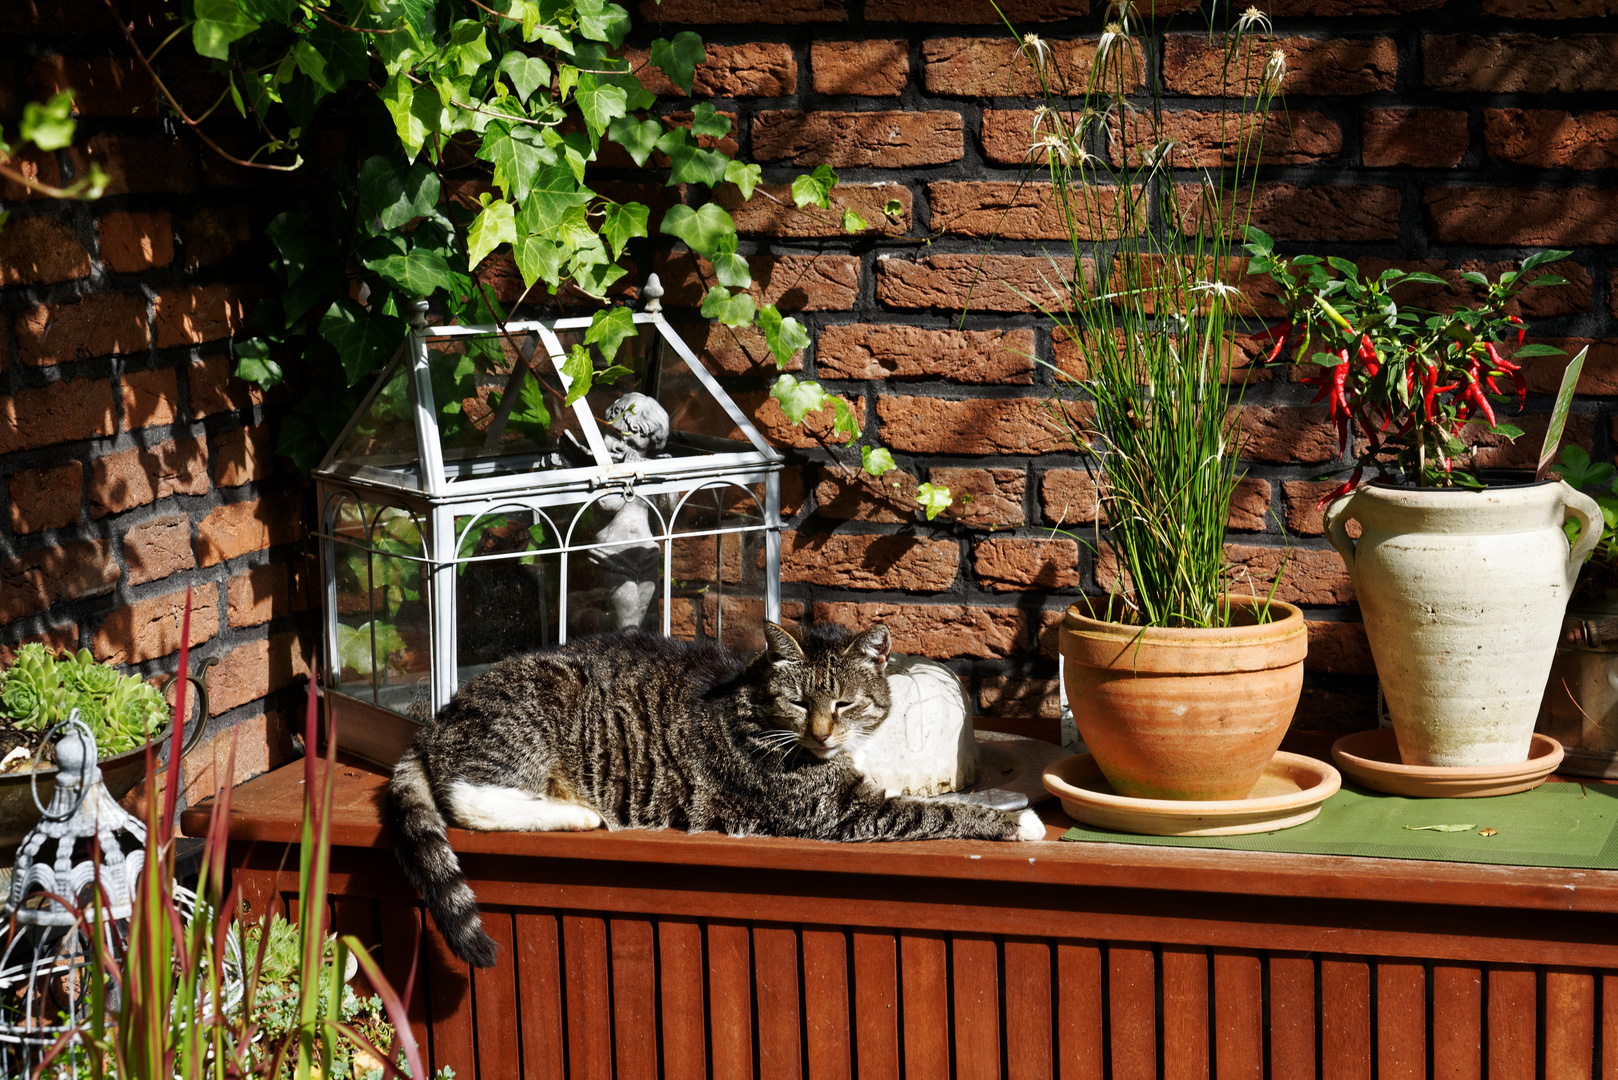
x,y
1556,824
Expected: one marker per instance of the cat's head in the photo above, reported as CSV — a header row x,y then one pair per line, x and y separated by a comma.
x,y
830,691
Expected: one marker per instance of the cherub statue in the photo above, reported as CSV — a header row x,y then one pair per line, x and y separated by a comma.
x,y
636,429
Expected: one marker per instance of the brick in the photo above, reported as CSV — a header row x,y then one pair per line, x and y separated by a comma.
x,y
235,755
57,638
997,67
1250,505
36,166
1011,210
1612,293
1304,512
1299,137
942,631
866,68
244,455
840,561
884,140
971,12
64,411
772,423
103,86
81,327
150,398
257,596
215,234
709,12
236,529
1068,497
855,495
129,478
46,498
1537,217
1520,63
1419,138
132,242
139,164
729,350
199,313
790,282
149,629
1598,376
1005,563
1308,576
1552,139
774,214
1283,434
1551,9
1006,697
1495,452
752,70
742,627
31,583
984,498
889,351
214,389
255,670
1323,717
999,283
1194,65
157,548
38,250
1338,648
1315,212
977,426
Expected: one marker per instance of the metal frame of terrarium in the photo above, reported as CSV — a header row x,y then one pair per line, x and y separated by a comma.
x,y
436,502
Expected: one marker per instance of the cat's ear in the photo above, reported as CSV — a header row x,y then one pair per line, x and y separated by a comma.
x,y
874,645
780,646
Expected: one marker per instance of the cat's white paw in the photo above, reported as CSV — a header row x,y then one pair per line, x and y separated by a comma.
x,y
1029,827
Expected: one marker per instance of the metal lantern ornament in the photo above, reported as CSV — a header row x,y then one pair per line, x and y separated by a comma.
x,y
508,488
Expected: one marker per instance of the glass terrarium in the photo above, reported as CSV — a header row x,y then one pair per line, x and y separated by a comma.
x,y
476,507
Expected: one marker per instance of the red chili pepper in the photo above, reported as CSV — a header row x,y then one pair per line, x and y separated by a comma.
x,y
1474,394
1510,368
1339,399
1367,355
1522,331
1342,489
1280,343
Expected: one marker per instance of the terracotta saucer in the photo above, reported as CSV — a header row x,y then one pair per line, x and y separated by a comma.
x,y
1289,793
1371,759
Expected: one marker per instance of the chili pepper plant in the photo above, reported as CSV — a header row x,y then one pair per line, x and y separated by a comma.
x,y
1405,385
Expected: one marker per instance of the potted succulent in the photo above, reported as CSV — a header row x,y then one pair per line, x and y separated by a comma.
x,y
1462,586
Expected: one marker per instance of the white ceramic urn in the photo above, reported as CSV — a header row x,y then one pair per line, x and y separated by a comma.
x,y
1463,594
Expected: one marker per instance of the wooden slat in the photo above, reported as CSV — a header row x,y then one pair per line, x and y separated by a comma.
x,y
1292,1015
495,1001
356,915
730,999
1030,1037
1401,1020
1609,1025
682,1005
975,986
1132,1013
1345,1019
924,987
449,1005
404,963
634,998
775,980
586,997
1513,1019
1570,1023
1238,1014
876,1005
1080,1049
829,1044
1457,1022
1185,1013
538,956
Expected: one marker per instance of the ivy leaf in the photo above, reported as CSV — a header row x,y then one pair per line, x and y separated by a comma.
x,y
690,164
785,337
398,96
596,277
706,120
731,270
877,461
600,104
468,46
853,223
49,126
394,193
844,422
610,329
527,73
623,222
420,273
363,340
814,189
893,208
798,398
552,193
219,22
933,499
745,177
610,24
253,364
704,230
578,368
637,137
539,259
678,59
731,309
517,159
496,225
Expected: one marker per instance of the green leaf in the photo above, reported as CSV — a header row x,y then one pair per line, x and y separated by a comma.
x,y
731,270
689,163
553,193
527,73
578,368
621,223
610,329
253,364
933,499
420,273
1440,828
814,189
599,104
1475,278
706,120
396,193
744,176
517,159
49,126
678,59
596,277
893,208
495,225
469,46
539,259
1540,258
1258,240
398,96
798,398
853,223
637,137
785,337
732,310
877,461
1510,431
219,22
844,422
704,230
364,341
1539,350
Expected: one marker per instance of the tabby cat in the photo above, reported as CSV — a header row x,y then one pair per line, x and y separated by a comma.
x,y
640,731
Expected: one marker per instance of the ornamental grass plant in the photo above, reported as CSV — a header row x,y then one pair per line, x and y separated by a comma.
x,y
1149,294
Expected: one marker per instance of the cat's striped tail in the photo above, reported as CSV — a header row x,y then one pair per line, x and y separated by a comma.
x,y
429,862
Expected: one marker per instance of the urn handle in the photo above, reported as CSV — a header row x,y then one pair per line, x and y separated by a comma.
x,y
1336,521
1577,504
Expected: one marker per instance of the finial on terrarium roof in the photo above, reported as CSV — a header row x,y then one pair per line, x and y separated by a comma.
x,y
653,294
418,314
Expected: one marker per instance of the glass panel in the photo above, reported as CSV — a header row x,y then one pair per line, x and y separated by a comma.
x,y
617,582
506,598
385,437
695,417
718,583
382,622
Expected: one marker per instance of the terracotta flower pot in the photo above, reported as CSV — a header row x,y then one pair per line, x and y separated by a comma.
x,y
1184,713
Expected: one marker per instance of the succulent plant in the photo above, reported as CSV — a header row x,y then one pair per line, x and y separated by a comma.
x,y
42,687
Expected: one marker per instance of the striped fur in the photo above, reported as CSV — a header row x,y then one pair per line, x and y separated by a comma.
x,y
646,732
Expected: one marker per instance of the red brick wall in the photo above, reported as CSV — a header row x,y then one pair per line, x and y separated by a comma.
x,y
1446,135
